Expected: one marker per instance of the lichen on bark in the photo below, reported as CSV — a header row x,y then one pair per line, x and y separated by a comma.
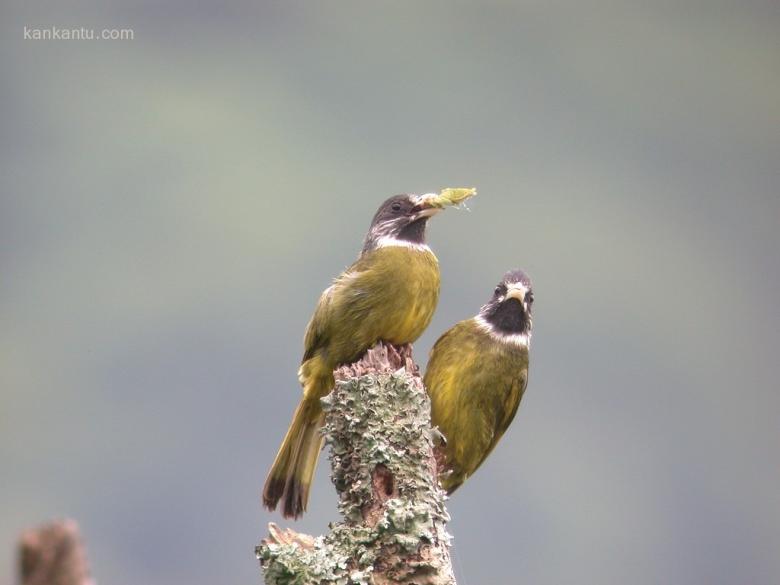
x,y
377,425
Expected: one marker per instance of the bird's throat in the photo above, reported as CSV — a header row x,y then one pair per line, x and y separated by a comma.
x,y
508,318
414,232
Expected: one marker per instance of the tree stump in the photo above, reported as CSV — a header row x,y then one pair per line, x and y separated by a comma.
x,y
377,423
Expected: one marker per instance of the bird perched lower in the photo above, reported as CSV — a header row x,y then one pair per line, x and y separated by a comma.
x,y
389,294
476,375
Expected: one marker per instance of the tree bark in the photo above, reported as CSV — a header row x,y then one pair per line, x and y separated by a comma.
x,y
53,554
377,423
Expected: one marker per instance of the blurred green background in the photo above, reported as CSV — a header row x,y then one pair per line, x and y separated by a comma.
x,y
172,206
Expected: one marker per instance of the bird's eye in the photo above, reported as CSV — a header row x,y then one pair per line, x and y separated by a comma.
x,y
396,207
498,290
530,297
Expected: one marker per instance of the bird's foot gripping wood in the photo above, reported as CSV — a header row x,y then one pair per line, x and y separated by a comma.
x,y
377,423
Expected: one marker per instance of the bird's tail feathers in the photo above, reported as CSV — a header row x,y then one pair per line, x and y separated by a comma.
x,y
292,472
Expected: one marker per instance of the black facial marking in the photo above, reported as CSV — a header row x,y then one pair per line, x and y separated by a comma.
x,y
396,218
414,232
509,315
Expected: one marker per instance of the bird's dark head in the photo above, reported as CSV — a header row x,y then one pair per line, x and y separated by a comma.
x,y
402,219
509,310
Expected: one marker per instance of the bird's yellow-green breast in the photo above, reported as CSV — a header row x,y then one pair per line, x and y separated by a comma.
x,y
389,294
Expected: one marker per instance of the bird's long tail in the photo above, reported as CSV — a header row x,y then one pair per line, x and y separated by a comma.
x,y
293,470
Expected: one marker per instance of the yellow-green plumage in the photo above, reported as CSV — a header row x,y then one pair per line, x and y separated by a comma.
x,y
475,378
389,294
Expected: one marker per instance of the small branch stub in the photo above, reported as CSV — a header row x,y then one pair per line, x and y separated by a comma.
x,y
377,423
53,555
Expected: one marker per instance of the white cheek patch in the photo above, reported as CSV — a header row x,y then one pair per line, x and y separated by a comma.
x,y
387,241
520,339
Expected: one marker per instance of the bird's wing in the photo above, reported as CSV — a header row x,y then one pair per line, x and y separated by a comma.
x,y
517,386
505,414
450,380
318,330
471,398
315,330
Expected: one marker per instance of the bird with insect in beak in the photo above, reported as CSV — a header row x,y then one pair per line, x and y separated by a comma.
x,y
389,294
477,373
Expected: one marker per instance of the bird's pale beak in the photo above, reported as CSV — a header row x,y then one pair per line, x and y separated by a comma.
x,y
516,291
426,206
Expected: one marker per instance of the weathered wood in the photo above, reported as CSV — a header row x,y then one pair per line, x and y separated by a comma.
x,y
53,554
382,464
